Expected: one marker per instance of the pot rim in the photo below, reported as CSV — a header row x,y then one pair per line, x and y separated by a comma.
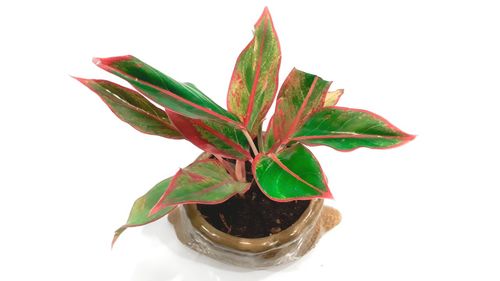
x,y
255,245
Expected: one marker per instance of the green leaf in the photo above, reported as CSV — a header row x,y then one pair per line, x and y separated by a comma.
x,y
346,129
255,77
300,95
132,108
290,174
213,137
204,181
332,98
139,215
182,98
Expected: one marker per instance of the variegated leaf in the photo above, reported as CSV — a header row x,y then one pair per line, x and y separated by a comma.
x,y
300,95
139,215
182,98
332,98
346,129
204,181
291,174
132,108
255,77
213,137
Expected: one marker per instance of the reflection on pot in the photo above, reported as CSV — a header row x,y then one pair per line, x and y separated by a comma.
x,y
283,247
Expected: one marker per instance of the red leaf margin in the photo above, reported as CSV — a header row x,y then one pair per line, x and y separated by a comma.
x,y
105,63
265,14
158,206
87,82
405,139
185,126
293,128
325,195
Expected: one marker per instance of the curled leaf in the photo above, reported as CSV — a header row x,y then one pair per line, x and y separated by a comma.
x,y
332,98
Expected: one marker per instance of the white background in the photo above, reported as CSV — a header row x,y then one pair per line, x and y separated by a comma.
x,y
70,169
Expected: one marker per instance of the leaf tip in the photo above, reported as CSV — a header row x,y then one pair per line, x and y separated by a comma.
x,y
266,11
266,15
410,137
109,61
81,80
405,137
340,92
115,237
118,232
328,195
97,61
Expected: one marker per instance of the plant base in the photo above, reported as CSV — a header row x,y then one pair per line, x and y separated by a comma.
x,y
280,248
253,215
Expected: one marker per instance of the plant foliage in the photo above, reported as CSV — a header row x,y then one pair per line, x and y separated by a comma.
x,y
305,115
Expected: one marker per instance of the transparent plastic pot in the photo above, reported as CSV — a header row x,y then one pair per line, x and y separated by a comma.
x,y
283,247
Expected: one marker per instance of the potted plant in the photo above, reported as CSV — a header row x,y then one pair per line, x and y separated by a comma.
x,y
253,198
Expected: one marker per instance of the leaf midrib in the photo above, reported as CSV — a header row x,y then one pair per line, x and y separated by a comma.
x,y
275,159
172,95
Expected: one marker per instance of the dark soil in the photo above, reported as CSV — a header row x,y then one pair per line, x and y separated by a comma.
x,y
253,215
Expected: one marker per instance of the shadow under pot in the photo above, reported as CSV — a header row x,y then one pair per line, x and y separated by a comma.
x,y
288,245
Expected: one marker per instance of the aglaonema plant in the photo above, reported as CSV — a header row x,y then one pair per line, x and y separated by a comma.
x,y
283,167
